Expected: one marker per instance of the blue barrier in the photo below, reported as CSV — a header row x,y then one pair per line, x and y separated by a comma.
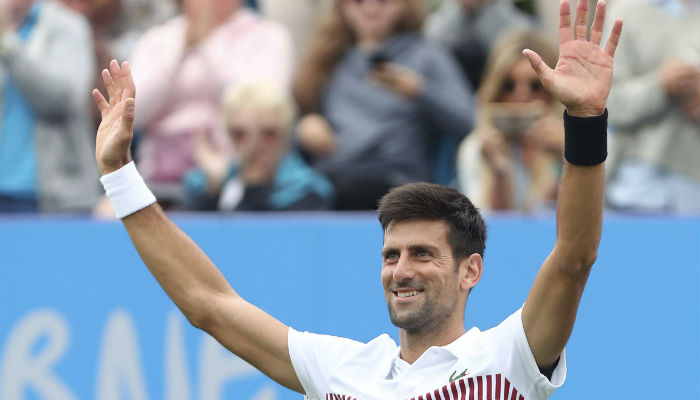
x,y
81,318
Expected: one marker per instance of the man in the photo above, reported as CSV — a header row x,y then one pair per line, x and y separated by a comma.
x,y
655,163
428,265
45,128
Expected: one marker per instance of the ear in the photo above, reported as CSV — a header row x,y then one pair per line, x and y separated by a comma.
x,y
470,270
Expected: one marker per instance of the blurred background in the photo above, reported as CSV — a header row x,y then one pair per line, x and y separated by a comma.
x,y
269,129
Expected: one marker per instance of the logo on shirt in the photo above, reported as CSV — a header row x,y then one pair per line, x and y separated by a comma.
x,y
454,378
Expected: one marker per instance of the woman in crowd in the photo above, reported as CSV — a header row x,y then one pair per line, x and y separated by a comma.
x,y
512,160
266,174
382,106
180,69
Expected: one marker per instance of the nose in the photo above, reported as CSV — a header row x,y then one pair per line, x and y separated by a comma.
x,y
403,271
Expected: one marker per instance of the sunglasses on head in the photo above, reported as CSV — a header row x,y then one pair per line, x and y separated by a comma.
x,y
509,86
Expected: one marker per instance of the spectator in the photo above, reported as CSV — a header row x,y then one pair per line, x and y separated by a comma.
x,y
45,129
116,26
268,175
300,17
384,107
512,161
470,28
655,108
180,69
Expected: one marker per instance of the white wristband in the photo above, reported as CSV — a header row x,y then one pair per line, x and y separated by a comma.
x,y
127,191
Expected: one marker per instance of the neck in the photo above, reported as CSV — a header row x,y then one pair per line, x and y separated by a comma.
x,y
414,344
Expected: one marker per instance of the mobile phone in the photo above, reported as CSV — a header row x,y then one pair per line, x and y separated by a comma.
x,y
377,59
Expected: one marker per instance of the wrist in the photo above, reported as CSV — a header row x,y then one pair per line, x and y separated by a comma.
x,y
126,190
585,112
585,139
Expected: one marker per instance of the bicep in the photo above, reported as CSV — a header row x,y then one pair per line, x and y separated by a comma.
x,y
550,309
253,335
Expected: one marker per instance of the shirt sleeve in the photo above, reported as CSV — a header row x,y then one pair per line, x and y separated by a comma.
x,y
315,357
509,346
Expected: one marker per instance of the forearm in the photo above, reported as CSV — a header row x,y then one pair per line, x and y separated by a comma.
x,y
581,192
579,215
181,268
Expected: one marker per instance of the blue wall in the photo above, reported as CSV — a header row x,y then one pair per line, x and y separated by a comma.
x,y
81,318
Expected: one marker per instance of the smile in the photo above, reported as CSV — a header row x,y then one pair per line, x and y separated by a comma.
x,y
406,293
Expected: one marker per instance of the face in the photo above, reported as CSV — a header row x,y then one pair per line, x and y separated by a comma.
x,y
18,9
218,9
259,139
421,283
372,20
522,85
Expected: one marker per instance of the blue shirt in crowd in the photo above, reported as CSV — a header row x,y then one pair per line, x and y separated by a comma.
x,y
18,164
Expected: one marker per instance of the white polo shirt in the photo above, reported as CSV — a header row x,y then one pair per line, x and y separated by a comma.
x,y
496,364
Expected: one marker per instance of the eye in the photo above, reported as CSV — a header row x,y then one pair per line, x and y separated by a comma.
x,y
422,253
391,256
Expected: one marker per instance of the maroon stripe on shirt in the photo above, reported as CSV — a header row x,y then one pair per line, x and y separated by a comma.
x,y
506,389
436,393
498,387
488,387
453,389
471,388
515,394
462,389
445,393
480,388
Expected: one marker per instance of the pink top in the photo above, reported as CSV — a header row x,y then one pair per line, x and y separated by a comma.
x,y
179,93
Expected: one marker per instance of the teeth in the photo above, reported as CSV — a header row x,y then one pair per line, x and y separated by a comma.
x,y
407,294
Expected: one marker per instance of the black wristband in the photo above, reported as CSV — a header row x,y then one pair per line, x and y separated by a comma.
x,y
586,139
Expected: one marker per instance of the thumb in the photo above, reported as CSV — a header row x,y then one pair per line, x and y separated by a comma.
x,y
543,71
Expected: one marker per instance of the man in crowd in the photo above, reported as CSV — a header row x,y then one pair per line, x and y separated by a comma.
x,y
432,258
45,129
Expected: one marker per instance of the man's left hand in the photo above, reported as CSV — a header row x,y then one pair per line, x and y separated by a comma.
x,y
582,77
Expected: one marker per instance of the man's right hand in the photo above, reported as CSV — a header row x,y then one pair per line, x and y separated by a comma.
x,y
114,135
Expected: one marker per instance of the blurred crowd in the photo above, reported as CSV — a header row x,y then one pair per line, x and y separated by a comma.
x,y
326,104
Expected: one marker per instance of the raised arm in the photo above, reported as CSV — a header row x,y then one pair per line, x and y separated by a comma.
x,y
581,81
183,270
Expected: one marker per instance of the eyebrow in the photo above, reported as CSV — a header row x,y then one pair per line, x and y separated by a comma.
x,y
412,248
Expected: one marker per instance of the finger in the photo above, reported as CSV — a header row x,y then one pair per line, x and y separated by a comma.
x,y
109,84
598,21
543,71
129,80
580,20
117,77
564,22
102,104
614,38
128,114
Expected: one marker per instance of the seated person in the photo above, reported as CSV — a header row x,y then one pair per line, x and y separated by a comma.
x,y
470,28
266,174
512,160
180,69
383,106
46,133
655,109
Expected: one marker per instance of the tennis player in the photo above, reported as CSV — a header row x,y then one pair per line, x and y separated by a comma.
x,y
432,257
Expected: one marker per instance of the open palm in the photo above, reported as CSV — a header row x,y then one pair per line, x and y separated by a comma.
x,y
115,132
581,80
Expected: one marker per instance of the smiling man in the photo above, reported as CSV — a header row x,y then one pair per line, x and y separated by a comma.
x,y
432,258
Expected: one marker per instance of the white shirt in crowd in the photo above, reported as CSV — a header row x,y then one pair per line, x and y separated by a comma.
x,y
496,364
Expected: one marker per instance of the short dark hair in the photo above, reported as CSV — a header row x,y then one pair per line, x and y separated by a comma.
x,y
467,234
